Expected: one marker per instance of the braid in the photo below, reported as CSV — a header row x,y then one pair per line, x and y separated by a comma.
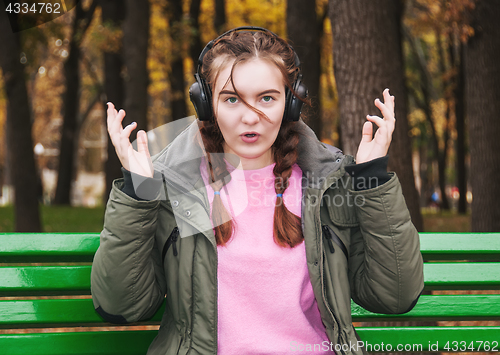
x,y
217,170
287,226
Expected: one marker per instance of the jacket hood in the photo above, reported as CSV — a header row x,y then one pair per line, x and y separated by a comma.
x,y
180,161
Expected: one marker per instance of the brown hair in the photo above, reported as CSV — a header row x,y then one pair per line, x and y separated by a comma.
x,y
239,47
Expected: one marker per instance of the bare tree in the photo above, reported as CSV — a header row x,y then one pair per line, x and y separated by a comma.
x,y
220,15
305,29
177,86
196,45
113,13
71,101
367,59
135,54
23,170
482,76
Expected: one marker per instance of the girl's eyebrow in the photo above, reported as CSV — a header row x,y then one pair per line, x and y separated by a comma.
x,y
227,92
270,91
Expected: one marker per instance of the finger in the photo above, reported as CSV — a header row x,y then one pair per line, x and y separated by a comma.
x,y
117,122
128,130
142,142
111,113
367,132
389,100
384,109
379,121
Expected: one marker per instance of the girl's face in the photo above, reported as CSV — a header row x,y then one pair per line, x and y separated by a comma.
x,y
246,133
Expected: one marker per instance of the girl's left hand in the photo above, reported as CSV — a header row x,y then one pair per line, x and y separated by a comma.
x,y
377,147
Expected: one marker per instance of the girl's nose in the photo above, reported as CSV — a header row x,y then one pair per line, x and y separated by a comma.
x,y
249,116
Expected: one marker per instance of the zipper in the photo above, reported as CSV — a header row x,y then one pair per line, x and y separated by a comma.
x,y
170,241
334,317
179,348
328,237
165,248
332,237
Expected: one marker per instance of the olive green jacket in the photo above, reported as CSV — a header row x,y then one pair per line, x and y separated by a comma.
x,y
372,253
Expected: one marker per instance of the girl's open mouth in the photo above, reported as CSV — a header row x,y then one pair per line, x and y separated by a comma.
x,y
250,137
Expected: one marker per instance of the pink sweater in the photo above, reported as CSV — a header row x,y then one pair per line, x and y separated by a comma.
x,y
266,303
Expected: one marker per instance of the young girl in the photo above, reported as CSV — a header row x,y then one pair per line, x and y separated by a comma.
x,y
258,234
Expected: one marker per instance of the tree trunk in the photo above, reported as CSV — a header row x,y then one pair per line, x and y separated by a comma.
x,y
459,97
447,95
220,16
113,12
23,170
135,50
177,86
367,59
71,101
482,75
196,46
302,15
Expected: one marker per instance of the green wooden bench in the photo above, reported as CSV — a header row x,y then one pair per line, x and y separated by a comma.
x,y
57,266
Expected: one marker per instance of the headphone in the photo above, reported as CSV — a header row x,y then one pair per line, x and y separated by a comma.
x,y
201,95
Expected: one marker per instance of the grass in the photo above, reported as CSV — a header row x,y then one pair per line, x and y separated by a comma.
x,y
445,221
81,219
60,219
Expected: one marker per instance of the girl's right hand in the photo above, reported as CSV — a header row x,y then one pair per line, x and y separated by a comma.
x,y
138,162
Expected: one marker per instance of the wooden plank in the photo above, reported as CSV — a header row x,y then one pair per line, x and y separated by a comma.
x,y
47,247
439,307
23,280
418,339
462,276
379,339
49,280
77,343
460,246
51,312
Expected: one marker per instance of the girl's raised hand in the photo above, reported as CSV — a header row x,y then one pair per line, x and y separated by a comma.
x,y
136,161
376,147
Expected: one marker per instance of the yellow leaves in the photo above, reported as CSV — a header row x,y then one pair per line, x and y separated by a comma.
x,y
445,16
270,14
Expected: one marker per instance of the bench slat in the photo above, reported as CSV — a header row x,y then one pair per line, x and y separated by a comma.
x,y
426,336
53,247
45,247
136,342
439,307
460,246
462,276
52,312
78,343
47,280
76,279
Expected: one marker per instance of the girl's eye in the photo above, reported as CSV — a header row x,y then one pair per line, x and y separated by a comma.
x,y
232,100
267,98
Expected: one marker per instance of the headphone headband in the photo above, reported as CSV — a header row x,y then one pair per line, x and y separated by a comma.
x,y
201,95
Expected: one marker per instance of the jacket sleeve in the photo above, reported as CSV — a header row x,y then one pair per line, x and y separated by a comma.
x,y
127,279
385,264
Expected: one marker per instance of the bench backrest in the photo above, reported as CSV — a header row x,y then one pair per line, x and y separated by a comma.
x,y
45,283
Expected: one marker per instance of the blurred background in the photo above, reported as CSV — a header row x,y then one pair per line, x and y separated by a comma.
x,y
439,58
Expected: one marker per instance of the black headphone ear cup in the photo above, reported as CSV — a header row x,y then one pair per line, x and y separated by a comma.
x,y
294,103
201,97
